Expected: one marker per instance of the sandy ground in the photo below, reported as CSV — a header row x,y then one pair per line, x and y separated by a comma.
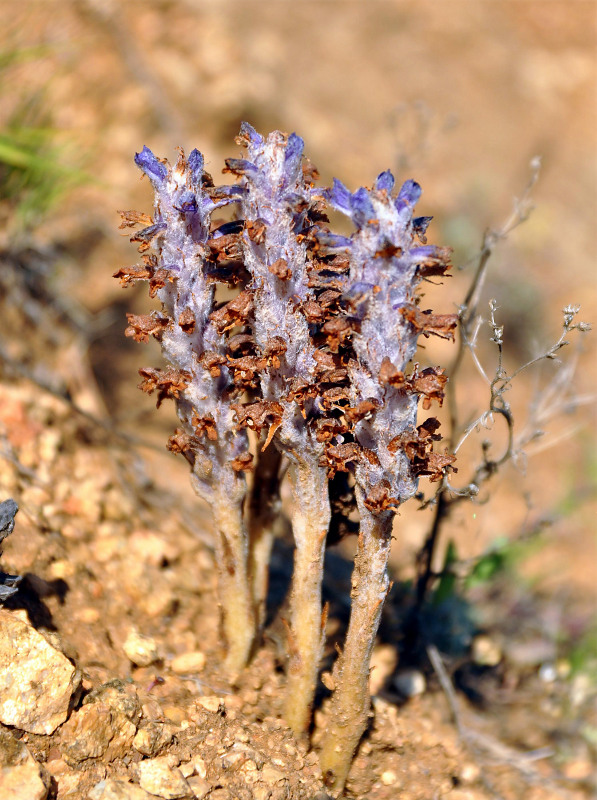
x,y
460,96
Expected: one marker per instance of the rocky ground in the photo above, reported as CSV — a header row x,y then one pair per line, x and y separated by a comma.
x,y
110,680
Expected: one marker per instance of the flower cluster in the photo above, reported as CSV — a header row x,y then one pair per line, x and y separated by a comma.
x,y
274,323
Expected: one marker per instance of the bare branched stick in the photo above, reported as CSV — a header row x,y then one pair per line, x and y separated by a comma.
x,y
485,747
470,326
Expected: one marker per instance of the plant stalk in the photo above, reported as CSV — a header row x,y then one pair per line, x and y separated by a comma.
x,y
350,705
310,523
238,618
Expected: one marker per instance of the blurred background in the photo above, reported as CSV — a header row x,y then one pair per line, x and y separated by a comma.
x,y
460,96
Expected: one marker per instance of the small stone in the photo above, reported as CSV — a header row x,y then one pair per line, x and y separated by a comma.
x,y
485,651
140,650
61,569
187,663
21,777
271,775
119,696
114,789
563,668
157,777
151,548
124,733
87,733
199,786
410,682
187,768
580,689
578,770
548,672
383,664
175,714
469,773
211,703
389,777
153,737
88,615
200,766
36,681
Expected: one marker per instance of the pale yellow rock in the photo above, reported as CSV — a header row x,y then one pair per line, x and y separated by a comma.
x,y
153,737
271,775
140,650
36,681
389,777
199,786
114,789
157,776
62,569
87,734
211,703
88,615
21,777
486,651
188,663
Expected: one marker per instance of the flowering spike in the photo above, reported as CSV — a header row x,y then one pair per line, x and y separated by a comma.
x,y
385,182
293,155
339,196
313,353
249,133
409,193
195,163
154,169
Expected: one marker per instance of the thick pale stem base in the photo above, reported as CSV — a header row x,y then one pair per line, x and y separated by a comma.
x,y
238,618
311,520
351,703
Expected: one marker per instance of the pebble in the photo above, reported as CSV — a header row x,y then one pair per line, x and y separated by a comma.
x,y
87,733
389,777
271,775
188,663
113,789
157,776
469,773
580,689
578,770
153,737
88,615
383,664
410,682
151,548
61,569
211,703
199,786
21,777
548,672
140,650
36,680
119,696
485,651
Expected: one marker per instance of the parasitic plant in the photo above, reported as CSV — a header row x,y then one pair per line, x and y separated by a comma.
x,y
312,353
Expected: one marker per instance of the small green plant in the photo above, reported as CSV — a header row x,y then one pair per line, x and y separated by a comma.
x,y
34,174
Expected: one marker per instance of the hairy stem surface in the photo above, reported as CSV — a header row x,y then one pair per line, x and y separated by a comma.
x,y
238,618
310,523
350,704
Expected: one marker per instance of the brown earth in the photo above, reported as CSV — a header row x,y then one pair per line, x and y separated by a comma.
x,y
110,537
